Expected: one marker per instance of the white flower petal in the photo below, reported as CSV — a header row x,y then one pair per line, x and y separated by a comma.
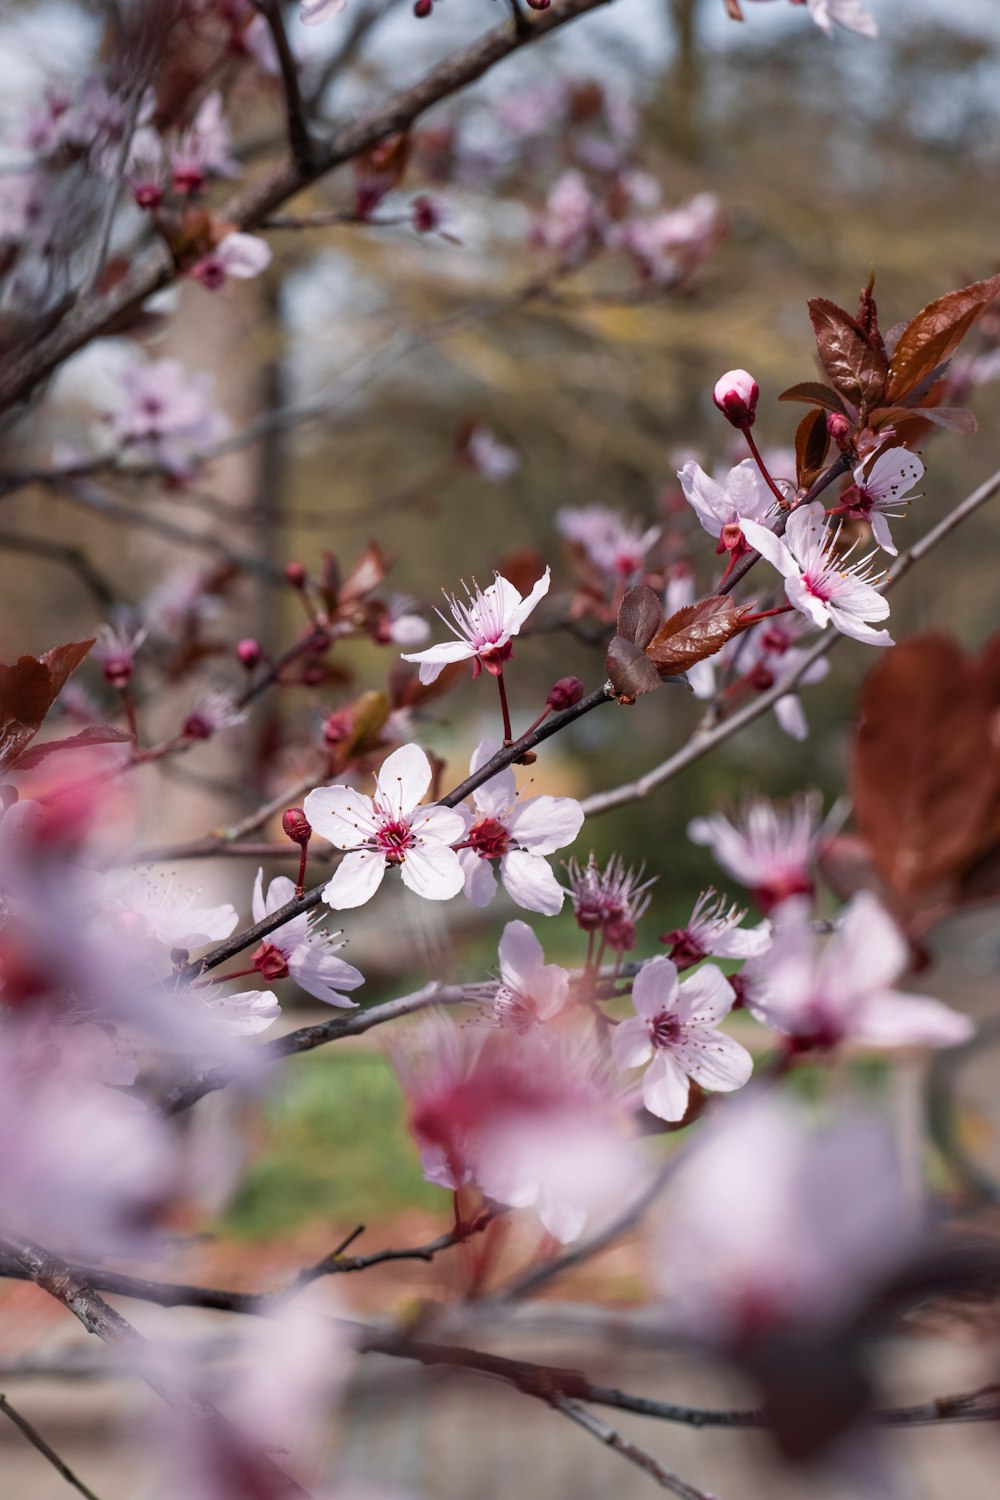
x,y
665,1088
631,1044
355,881
545,824
714,1060
655,988
340,815
433,871
402,781
528,880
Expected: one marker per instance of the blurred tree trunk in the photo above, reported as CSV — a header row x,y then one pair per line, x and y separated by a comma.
x,y
687,78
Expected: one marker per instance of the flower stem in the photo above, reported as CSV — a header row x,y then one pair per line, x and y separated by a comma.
x,y
508,737
765,614
300,884
755,452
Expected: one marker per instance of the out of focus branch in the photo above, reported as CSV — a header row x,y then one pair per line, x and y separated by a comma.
x,y
37,1441
87,319
299,140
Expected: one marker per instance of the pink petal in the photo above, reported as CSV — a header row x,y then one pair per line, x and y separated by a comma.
x,y
545,824
899,1020
340,815
433,871
704,997
402,781
665,1088
655,988
480,881
496,796
714,1060
631,1044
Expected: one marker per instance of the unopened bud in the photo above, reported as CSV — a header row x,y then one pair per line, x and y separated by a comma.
x,y
426,214
539,4
564,694
736,397
839,428
296,575
296,825
422,8
197,727
249,653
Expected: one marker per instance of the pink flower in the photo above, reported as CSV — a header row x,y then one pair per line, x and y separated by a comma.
x,y
314,12
165,415
484,628
203,149
115,650
615,546
211,712
571,223
672,245
850,14
713,931
492,459
170,913
878,495
769,850
530,990
609,901
528,1115
246,1014
771,1224
300,950
722,508
736,394
675,1026
515,836
389,829
818,580
844,991
239,257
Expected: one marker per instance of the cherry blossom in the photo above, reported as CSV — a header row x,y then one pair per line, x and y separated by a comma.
x,y
165,415
571,224
485,453
212,711
246,1014
672,245
204,149
844,990
170,912
773,1224
390,829
515,836
675,1032
298,949
878,494
484,628
851,14
115,649
722,508
530,990
237,257
768,849
714,930
818,580
615,546
609,901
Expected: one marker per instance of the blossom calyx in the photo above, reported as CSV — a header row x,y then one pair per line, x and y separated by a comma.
x,y
736,397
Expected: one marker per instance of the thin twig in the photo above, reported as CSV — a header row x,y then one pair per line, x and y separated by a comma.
x,y
618,1443
37,1441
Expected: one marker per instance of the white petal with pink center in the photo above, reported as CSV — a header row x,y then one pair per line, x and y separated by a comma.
x,y
530,990
845,991
389,829
310,955
675,1025
246,1014
744,495
484,624
819,581
515,836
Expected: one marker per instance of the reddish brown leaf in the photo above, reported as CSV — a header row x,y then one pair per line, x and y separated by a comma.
x,y
935,333
694,632
812,440
630,670
95,734
366,575
28,688
955,418
639,616
867,318
925,769
814,393
856,368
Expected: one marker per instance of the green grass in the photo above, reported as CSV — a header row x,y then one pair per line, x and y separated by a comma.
x,y
335,1147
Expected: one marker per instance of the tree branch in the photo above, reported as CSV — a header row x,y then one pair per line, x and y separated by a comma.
x,y
37,1441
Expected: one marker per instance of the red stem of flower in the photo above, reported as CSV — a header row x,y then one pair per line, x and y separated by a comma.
x,y
235,974
300,884
765,614
505,710
755,451
128,704
540,720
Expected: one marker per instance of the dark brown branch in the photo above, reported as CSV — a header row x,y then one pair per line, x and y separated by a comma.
x,y
299,140
37,1441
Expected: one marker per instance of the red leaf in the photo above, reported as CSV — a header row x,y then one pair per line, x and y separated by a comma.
x,y
812,440
366,575
630,670
95,734
857,369
639,615
695,632
935,333
28,688
814,393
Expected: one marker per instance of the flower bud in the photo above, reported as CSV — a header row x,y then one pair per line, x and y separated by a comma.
x,y
297,826
736,397
564,694
839,428
426,214
296,575
249,653
539,4
422,8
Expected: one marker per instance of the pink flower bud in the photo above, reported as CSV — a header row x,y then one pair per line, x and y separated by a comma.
x,y
296,825
249,653
564,693
422,8
426,214
296,575
839,428
539,4
736,397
